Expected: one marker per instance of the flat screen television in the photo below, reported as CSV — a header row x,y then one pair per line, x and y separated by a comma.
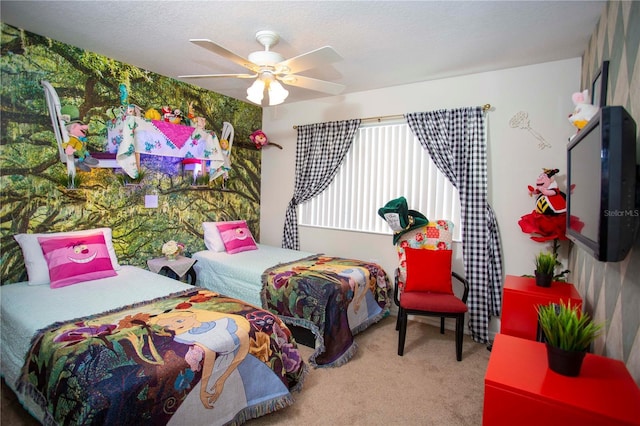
x,y
603,211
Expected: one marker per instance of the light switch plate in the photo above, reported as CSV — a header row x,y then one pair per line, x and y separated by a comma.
x,y
151,201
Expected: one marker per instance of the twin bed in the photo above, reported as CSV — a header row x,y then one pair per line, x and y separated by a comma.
x,y
134,347
94,342
334,298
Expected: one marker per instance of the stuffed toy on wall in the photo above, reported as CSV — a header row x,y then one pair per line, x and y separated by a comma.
x,y
77,143
260,140
549,199
547,221
583,111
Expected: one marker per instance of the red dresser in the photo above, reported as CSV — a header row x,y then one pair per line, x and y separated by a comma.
x,y
520,389
520,298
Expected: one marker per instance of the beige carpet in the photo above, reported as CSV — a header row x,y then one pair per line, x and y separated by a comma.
x,y
426,386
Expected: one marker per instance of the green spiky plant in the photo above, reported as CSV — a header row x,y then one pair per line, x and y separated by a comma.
x,y
546,263
566,327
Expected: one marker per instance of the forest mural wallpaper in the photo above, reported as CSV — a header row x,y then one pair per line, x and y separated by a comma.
x,y
34,194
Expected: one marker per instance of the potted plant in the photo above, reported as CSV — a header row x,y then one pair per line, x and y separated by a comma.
x,y
568,334
545,268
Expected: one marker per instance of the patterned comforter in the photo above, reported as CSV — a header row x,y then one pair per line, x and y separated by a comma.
x,y
333,297
193,357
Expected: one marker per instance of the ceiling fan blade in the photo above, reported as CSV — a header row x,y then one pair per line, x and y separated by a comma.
x,y
218,75
322,56
312,84
219,50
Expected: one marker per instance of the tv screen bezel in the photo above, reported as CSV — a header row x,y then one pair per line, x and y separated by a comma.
x,y
618,211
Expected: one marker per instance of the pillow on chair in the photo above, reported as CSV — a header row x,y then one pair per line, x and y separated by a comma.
x,y
428,270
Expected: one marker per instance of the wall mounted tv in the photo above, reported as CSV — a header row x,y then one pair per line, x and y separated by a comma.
x,y
603,207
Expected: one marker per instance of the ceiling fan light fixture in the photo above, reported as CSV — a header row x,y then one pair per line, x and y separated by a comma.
x,y
277,93
255,92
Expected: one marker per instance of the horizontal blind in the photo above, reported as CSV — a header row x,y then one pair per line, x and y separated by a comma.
x,y
385,162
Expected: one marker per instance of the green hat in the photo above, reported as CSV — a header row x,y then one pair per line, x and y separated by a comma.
x,y
400,219
70,114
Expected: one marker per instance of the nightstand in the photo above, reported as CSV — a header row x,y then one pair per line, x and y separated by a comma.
x,y
180,269
520,389
520,299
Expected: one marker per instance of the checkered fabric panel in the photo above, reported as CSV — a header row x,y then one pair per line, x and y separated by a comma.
x,y
436,235
320,149
455,141
494,250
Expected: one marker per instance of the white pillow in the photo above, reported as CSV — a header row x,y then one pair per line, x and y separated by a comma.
x,y
212,238
34,261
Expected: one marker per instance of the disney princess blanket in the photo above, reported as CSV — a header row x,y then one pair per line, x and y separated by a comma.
x,y
189,358
333,297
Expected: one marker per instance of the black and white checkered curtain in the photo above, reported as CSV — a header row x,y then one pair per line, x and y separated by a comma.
x,y
455,141
320,150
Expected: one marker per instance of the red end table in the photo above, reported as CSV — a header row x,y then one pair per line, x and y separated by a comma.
x,y
521,297
520,389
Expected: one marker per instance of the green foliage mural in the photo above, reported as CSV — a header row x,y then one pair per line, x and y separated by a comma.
x,y
34,195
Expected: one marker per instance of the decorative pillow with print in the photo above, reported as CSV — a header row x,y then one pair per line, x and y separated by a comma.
x,y
212,239
236,237
75,259
35,262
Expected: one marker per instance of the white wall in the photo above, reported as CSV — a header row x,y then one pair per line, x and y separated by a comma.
x,y
543,91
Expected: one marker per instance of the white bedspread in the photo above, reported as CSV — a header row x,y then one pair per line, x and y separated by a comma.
x,y
239,275
26,309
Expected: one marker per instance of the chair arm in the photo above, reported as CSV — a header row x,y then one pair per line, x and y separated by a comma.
x,y
465,283
396,287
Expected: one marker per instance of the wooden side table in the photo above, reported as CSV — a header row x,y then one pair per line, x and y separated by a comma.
x,y
520,389
180,269
521,296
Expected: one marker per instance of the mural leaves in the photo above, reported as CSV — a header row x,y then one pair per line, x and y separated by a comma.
x,y
34,196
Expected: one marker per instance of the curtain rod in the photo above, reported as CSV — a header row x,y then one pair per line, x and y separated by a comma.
x,y
485,108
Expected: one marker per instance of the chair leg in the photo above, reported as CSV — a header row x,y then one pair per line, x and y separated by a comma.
x,y
459,334
441,325
402,315
398,318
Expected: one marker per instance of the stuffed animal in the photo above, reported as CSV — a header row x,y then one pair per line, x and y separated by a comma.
x,y
259,138
191,114
124,93
77,143
199,123
77,146
167,114
177,116
583,111
152,114
549,199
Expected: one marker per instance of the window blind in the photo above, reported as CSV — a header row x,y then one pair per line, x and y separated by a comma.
x,y
386,161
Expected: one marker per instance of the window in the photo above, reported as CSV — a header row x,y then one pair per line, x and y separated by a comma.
x,y
385,162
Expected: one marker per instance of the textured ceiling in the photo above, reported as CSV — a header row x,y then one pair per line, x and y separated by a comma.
x,y
383,44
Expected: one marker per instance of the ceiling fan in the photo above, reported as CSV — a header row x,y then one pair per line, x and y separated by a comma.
x,y
270,68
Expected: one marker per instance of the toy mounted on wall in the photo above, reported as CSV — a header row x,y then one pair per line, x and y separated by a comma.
x,y
549,199
547,221
76,146
584,110
260,139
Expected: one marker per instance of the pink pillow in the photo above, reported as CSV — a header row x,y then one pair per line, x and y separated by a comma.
x,y
75,259
236,237
428,270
